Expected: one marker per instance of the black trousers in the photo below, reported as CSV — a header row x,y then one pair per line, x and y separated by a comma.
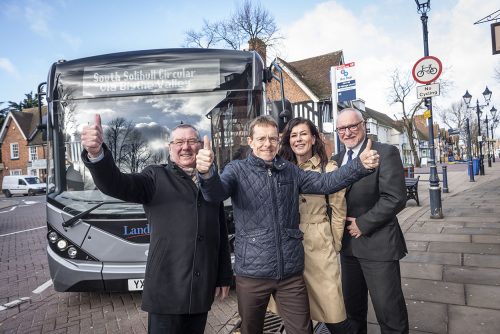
x,y
177,323
291,299
383,280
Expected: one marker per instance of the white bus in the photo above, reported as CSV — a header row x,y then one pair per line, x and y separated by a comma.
x,y
96,242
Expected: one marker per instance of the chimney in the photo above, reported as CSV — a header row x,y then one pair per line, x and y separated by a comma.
x,y
256,44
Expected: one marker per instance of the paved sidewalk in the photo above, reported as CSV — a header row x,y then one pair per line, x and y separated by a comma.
x,y
451,276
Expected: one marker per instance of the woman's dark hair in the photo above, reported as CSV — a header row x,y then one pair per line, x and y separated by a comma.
x,y
318,148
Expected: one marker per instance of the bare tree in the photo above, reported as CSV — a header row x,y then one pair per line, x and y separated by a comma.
x,y
402,85
250,21
116,136
138,155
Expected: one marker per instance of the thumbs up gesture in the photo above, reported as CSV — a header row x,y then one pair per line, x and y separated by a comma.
x,y
92,137
205,157
369,158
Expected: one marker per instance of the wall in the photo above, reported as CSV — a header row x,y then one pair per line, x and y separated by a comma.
x,y
13,135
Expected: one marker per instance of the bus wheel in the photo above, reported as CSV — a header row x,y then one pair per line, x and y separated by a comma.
x,y
7,193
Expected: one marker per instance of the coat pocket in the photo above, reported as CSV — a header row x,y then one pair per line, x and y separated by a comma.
x,y
157,253
259,250
293,250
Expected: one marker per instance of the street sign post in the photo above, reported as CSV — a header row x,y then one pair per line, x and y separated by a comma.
x,y
427,70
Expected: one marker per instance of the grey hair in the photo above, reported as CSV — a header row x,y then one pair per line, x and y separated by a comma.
x,y
356,111
187,126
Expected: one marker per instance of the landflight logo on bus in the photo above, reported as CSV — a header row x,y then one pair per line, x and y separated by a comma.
x,y
133,232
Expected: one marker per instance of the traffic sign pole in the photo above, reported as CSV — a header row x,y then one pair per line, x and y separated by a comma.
x,y
427,77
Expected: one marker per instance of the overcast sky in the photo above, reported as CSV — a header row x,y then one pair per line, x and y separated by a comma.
x,y
378,35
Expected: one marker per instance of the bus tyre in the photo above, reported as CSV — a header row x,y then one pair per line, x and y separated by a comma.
x,y
7,193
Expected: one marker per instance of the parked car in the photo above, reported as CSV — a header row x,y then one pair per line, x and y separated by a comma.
x,y
22,185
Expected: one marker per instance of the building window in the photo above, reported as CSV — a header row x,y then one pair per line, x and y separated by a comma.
x,y
14,151
32,154
16,172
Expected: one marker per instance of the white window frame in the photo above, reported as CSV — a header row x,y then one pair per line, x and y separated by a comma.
x,y
14,148
16,172
32,153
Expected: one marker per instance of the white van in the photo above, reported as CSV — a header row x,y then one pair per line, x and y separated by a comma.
x,y
22,185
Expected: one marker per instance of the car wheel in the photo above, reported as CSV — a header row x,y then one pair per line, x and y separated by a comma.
x,y
31,192
7,193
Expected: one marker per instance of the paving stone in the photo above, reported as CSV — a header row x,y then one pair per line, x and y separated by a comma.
x,y
489,239
471,230
422,270
417,245
481,260
437,237
483,225
433,291
427,316
464,247
436,258
467,320
426,229
475,275
485,296
472,219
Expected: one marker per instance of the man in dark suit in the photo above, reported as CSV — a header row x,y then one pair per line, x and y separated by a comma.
x,y
373,242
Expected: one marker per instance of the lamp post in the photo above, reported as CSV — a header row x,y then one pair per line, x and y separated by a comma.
x,y
423,6
488,141
487,97
494,121
469,154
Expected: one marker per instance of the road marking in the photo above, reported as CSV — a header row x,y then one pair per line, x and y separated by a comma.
x,y
14,303
31,229
12,208
42,287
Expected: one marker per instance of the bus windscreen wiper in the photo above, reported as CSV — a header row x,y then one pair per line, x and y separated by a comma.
x,y
73,220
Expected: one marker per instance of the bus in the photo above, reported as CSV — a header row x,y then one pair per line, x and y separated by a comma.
x,y
96,242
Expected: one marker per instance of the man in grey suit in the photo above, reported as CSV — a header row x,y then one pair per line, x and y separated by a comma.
x,y
373,242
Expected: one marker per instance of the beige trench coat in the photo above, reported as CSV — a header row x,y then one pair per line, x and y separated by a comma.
x,y
322,243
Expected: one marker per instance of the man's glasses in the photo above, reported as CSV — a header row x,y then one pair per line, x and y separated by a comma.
x,y
352,128
262,140
180,142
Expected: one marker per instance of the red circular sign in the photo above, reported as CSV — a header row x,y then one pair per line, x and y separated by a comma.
x,y
427,69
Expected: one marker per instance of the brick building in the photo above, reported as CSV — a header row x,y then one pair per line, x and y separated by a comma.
x,y
23,150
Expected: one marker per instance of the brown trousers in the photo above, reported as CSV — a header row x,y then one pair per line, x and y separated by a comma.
x,y
291,298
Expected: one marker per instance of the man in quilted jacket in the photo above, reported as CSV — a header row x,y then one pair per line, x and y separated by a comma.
x,y
264,190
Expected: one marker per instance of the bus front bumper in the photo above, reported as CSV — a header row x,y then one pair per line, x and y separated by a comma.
x,y
75,275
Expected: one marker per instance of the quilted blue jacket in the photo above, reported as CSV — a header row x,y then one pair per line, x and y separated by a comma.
x,y
268,242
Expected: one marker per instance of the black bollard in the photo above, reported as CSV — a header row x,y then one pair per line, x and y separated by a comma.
x,y
445,179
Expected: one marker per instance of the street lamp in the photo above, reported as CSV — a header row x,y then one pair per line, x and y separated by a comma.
x,y
494,122
488,141
487,97
424,6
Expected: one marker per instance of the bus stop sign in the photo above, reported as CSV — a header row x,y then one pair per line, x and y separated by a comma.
x,y
427,70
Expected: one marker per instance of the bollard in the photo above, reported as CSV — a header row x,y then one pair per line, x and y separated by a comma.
x,y
445,179
410,171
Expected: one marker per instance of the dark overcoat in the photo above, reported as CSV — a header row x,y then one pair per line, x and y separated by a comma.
x,y
188,253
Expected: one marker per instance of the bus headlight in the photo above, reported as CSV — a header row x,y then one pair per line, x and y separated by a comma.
x,y
52,237
62,244
72,252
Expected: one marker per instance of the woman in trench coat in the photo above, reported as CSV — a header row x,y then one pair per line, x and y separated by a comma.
x,y
302,144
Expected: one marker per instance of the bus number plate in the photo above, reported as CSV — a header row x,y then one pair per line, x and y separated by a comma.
x,y
136,284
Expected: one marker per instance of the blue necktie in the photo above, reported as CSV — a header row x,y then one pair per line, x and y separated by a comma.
x,y
349,155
